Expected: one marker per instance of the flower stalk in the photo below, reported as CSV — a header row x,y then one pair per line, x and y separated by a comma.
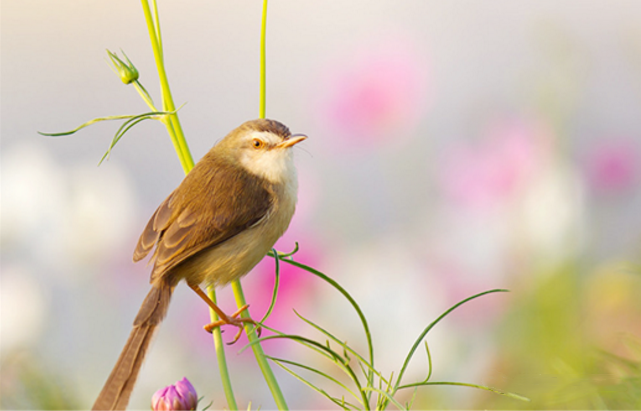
x,y
184,155
173,124
174,129
239,296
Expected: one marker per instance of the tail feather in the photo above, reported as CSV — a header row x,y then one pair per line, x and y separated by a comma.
x,y
117,390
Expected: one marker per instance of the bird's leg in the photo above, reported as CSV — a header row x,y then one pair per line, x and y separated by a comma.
x,y
224,318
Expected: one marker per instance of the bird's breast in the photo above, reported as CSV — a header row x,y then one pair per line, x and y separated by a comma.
x,y
236,256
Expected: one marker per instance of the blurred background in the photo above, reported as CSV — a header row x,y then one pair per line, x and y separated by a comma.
x,y
455,147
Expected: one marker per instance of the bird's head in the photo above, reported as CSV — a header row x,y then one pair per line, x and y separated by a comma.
x,y
264,148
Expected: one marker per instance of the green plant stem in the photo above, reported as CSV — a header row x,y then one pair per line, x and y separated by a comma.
x,y
220,355
261,359
184,155
166,121
145,95
263,63
178,139
173,126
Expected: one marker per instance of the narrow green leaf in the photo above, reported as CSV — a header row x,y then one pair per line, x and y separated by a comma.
x,y
273,252
387,396
318,372
464,384
351,300
119,134
337,359
429,362
430,326
341,403
363,370
334,355
127,125
276,285
88,123
381,400
311,347
346,347
409,404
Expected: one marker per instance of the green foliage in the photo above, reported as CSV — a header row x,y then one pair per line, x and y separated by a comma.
x,y
169,117
29,384
131,120
547,350
365,380
366,387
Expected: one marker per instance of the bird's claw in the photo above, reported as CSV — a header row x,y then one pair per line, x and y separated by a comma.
x,y
235,321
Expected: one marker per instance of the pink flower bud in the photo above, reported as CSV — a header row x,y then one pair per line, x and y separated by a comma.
x,y
180,396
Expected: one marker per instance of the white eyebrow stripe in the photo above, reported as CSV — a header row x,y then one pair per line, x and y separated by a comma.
x,y
270,138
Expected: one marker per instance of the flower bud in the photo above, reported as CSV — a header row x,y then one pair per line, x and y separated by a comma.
x,y
180,396
127,71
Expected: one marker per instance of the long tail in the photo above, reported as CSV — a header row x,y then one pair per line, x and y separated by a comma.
x,y
117,390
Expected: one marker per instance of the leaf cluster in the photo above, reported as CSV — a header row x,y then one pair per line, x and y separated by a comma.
x,y
367,388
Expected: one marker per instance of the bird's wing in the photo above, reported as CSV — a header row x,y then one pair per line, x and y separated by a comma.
x,y
195,216
157,224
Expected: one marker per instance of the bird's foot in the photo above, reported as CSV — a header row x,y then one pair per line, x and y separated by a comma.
x,y
235,321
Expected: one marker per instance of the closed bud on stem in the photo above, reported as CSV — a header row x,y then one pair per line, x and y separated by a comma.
x,y
127,71
179,396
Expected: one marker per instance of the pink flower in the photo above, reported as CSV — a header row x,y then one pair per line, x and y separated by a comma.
x,y
180,396
612,165
375,94
297,289
490,172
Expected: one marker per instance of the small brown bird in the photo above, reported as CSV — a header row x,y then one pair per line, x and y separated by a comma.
x,y
214,228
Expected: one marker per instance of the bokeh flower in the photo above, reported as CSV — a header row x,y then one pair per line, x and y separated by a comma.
x,y
612,165
297,288
375,94
486,174
179,396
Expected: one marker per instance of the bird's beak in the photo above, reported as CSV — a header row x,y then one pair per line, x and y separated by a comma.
x,y
293,139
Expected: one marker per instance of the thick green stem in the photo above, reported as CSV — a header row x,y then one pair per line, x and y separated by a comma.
x,y
175,131
178,139
180,144
261,359
220,355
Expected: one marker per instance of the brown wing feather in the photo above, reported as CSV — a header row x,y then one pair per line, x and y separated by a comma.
x,y
150,235
194,217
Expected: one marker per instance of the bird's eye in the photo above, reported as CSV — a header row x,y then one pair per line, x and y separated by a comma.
x,y
257,143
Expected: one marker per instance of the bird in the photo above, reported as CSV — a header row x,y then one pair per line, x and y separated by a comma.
x,y
221,220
